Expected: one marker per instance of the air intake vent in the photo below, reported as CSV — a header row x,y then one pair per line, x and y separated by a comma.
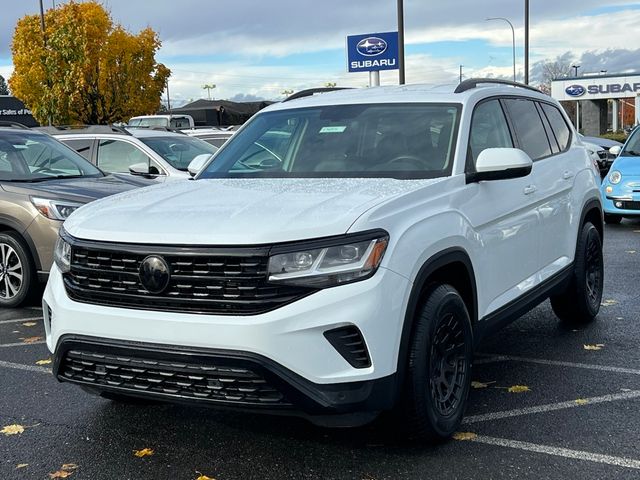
x,y
349,343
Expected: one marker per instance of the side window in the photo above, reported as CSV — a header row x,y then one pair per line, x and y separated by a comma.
x,y
555,148
489,129
117,156
529,130
558,125
81,145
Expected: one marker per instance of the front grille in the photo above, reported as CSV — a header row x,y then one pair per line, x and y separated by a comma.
x,y
603,154
206,382
629,205
200,283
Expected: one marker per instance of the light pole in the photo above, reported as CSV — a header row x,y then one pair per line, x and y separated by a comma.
x,y
208,87
513,37
526,42
575,70
401,42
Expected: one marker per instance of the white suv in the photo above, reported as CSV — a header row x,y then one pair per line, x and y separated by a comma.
x,y
341,257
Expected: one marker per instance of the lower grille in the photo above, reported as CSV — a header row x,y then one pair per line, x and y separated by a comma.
x,y
349,343
630,205
211,382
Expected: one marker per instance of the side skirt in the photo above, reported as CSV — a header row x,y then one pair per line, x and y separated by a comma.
x,y
518,307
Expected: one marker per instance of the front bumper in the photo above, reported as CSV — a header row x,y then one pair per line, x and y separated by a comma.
x,y
610,201
287,343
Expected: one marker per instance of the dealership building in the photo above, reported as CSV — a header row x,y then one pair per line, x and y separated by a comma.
x,y
600,103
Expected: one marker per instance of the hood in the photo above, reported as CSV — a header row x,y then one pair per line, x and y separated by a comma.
x,y
82,190
604,143
627,166
234,211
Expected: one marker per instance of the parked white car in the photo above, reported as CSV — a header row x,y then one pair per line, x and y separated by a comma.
x,y
214,135
156,154
342,255
178,121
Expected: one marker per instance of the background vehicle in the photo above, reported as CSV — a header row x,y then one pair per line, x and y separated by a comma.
x,y
621,187
41,182
156,154
215,136
169,121
599,147
345,254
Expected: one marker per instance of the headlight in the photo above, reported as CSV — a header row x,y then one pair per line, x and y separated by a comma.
x,y
329,263
55,209
615,177
62,255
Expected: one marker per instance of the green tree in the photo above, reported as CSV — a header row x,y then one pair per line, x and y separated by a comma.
x,y
85,68
4,89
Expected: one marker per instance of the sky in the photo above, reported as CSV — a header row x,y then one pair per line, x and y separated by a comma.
x,y
257,49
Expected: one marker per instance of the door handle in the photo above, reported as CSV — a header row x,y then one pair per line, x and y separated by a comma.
x,y
567,175
529,189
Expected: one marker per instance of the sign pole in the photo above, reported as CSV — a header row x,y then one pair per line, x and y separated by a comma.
x,y
374,78
401,42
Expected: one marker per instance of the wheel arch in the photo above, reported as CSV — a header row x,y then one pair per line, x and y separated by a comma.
x,y
593,212
452,266
10,226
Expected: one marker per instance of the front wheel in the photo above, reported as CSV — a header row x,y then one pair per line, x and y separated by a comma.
x,y
580,302
16,271
439,370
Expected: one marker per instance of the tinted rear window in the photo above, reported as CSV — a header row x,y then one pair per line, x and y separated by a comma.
x,y
528,127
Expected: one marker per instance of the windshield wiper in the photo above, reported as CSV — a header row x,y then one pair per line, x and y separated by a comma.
x,y
55,177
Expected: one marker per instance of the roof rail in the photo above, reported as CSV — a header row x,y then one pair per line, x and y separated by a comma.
x,y
158,128
474,82
71,129
310,91
5,123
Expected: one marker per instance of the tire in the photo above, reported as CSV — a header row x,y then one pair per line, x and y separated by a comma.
x,y
580,302
612,219
17,273
435,398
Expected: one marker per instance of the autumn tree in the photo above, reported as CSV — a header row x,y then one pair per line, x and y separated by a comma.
x,y
4,90
85,69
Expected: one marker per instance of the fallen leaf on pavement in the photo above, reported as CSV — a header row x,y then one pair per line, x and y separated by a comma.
x,y
29,324
60,474
597,346
204,477
46,361
518,389
582,401
480,384
12,429
143,453
31,339
464,436
609,302
69,466
631,251
21,465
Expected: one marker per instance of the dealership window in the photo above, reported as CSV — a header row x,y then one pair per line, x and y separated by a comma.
x,y
558,124
529,129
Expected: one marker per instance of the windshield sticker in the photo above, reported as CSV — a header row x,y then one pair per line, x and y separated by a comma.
x,y
333,129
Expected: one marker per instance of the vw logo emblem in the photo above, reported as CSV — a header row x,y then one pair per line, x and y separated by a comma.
x,y
576,90
154,274
371,46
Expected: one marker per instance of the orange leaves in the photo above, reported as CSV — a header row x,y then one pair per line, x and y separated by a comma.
x,y
597,346
14,429
518,389
31,340
145,452
65,471
464,436
46,361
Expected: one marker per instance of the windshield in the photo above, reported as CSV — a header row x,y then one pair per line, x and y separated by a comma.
x,y
388,140
31,157
149,122
179,150
632,147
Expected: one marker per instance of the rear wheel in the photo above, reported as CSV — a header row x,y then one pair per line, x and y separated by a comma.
x,y
580,302
439,371
612,219
17,273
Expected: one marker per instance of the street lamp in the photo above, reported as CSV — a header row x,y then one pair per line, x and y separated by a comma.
x,y
513,37
208,87
575,70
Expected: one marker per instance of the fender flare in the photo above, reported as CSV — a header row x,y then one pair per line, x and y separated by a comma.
x,y
8,223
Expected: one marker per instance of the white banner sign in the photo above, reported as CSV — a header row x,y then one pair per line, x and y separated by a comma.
x,y
596,87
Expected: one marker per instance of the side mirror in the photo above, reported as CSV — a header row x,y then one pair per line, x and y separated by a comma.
x,y
615,151
139,169
501,164
198,163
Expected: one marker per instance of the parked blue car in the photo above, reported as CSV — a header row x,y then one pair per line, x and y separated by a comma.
x,y
621,187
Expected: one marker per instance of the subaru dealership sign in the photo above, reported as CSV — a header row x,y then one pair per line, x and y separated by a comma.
x,y
372,52
596,87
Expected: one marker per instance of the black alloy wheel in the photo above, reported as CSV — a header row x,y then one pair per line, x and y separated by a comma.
x,y
439,365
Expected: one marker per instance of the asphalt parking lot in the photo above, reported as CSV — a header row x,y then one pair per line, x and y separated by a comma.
x,y
578,416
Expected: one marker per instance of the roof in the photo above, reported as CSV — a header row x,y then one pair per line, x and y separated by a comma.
x,y
406,94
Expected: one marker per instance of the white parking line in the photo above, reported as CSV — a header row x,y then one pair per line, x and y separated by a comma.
x,y
21,344
560,452
556,363
18,320
551,407
19,366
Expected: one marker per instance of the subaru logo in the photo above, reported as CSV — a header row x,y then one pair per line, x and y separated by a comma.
x,y
371,46
154,274
576,90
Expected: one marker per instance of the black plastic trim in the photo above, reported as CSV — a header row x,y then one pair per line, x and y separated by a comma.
x,y
472,83
307,397
506,174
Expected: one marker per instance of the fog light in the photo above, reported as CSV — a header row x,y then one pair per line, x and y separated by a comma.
x,y
609,189
618,204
